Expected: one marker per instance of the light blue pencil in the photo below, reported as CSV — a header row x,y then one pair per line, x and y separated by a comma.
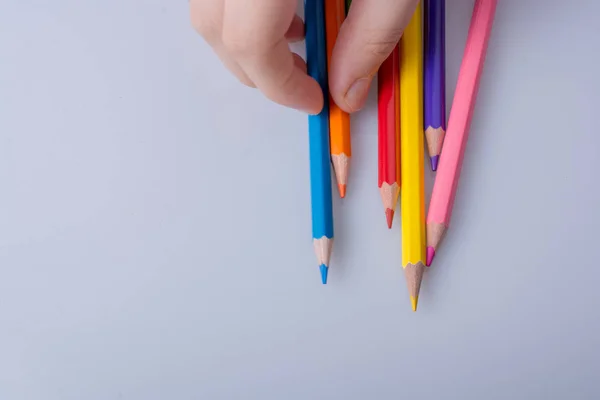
x,y
318,132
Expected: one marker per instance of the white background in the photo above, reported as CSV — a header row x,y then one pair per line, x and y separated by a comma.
x,y
152,247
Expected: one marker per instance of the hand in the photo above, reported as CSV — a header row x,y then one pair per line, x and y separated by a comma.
x,y
252,39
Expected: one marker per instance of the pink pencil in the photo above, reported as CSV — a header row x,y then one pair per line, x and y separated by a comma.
x,y
461,113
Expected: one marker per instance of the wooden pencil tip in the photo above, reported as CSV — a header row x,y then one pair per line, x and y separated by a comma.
x,y
341,164
323,249
389,195
435,140
414,300
389,216
414,276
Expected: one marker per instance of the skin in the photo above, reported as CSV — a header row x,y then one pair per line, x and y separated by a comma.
x,y
251,37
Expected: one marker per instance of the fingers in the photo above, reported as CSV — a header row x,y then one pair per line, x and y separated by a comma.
x,y
276,73
206,18
264,53
252,41
368,35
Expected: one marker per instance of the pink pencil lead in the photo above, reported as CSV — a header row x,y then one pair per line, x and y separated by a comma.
x,y
430,255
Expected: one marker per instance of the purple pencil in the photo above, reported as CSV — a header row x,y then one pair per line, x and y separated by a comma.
x,y
434,86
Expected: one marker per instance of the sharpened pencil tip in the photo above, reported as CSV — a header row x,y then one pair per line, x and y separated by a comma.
x,y
434,162
389,216
430,255
324,270
342,189
414,300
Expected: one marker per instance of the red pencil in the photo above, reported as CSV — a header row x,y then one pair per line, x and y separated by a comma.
x,y
388,100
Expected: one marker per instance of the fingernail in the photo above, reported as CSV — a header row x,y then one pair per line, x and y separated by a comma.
x,y
357,94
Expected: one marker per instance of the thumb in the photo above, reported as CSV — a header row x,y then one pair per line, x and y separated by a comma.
x,y
367,37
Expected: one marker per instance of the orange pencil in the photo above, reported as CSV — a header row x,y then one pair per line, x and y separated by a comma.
x,y
339,121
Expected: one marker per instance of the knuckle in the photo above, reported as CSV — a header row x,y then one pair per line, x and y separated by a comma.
x,y
208,27
247,82
241,43
243,78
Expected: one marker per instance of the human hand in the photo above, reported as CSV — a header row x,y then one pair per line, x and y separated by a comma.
x,y
251,37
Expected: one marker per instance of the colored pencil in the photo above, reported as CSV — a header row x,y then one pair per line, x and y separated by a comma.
x,y
388,103
434,85
461,114
318,128
412,157
339,120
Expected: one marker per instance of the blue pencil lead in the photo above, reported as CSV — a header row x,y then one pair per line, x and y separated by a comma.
x,y
324,270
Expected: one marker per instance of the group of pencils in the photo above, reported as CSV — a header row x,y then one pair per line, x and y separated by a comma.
x,y
411,111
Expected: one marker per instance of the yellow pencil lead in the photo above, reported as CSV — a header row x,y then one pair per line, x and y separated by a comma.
x,y
413,301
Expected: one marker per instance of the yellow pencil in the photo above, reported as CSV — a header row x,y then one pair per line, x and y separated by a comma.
x,y
412,194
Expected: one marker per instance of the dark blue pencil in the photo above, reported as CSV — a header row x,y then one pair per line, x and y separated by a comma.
x,y
434,90
318,132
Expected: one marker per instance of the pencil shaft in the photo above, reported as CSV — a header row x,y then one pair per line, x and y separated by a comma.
x,y
413,180
411,121
444,190
388,98
318,126
434,78
434,61
339,120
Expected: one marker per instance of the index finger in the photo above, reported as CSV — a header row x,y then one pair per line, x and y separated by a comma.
x,y
276,75
255,35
